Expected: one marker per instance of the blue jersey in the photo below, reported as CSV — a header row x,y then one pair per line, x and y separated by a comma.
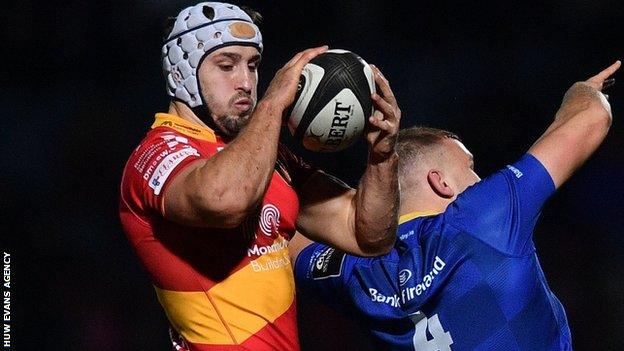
x,y
466,279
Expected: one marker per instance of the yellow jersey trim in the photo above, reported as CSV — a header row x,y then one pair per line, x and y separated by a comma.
x,y
408,217
185,127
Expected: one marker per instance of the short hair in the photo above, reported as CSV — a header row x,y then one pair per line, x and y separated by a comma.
x,y
413,144
256,17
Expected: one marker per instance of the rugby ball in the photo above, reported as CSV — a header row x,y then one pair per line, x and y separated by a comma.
x,y
333,102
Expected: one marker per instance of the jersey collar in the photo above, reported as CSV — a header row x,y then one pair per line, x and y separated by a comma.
x,y
185,127
409,216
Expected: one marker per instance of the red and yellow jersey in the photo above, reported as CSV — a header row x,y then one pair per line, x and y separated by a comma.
x,y
222,289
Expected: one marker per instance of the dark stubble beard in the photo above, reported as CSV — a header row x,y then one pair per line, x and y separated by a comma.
x,y
231,125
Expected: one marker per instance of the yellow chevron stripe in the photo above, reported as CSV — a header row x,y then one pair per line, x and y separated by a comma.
x,y
238,307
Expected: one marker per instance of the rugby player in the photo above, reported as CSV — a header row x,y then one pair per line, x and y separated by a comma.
x,y
464,274
209,198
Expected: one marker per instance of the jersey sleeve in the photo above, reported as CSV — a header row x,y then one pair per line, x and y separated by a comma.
x,y
153,165
323,272
502,210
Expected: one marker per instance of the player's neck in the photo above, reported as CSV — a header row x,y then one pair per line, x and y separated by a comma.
x,y
181,110
428,204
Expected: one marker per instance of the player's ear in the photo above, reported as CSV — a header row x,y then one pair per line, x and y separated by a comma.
x,y
439,185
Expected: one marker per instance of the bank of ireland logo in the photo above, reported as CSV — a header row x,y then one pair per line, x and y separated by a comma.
x,y
404,276
269,219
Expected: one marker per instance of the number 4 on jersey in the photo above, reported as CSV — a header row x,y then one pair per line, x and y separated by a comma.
x,y
440,340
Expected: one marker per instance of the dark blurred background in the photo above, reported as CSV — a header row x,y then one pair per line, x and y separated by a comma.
x,y
82,80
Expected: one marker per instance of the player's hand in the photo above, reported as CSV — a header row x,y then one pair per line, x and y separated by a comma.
x,y
602,80
282,90
384,123
588,94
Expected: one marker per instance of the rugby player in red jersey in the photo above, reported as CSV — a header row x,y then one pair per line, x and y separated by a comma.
x,y
210,199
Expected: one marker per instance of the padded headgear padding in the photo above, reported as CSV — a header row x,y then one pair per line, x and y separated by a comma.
x,y
198,30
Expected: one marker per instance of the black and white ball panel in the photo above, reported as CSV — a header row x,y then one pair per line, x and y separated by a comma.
x,y
333,103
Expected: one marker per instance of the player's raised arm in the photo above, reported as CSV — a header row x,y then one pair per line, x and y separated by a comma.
x,y
362,221
223,190
580,126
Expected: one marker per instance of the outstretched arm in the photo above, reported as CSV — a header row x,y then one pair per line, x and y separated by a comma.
x,y
222,190
362,221
580,126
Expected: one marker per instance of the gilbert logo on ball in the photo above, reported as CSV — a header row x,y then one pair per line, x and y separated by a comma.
x,y
333,103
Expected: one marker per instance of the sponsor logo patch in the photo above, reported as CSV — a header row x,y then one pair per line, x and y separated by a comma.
x,y
410,292
167,165
271,264
406,235
269,219
328,264
404,276
266,249
173,140
376,296
515,171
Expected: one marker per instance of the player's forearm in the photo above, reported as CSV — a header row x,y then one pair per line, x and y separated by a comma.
x,y
580,126
376,207
234,181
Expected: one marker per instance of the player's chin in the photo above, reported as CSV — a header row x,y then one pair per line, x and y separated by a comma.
x,y
242,118
233,124
243,121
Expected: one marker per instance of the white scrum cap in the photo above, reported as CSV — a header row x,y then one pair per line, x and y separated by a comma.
x,y
198,30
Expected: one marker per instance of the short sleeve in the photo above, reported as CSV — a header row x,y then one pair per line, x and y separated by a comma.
x,y
502,210
323,272
153,165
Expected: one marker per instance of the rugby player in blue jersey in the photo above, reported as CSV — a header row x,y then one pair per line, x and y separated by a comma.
x,y
464,274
